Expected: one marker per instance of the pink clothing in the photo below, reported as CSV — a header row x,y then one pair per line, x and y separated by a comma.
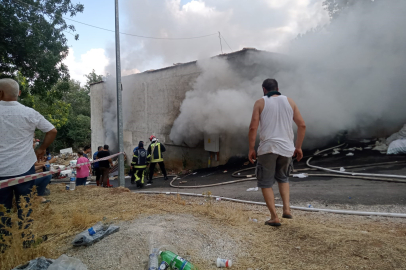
x,y
82,171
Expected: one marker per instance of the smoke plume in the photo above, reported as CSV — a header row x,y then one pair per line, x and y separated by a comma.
x,y
349,75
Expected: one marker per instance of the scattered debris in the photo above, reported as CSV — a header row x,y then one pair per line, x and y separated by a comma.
x,y
246,163
223,263
40,263
350,154
253,189
358,148
342,169
400,135
194,173
300,175
397,147
349,149
225,171
102,230
218,199
310,206
336,152
67,263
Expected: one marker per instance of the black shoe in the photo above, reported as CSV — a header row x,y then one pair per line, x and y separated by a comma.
x,y
166,178
47,192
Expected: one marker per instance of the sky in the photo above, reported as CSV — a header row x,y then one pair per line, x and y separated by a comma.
x,y
262,24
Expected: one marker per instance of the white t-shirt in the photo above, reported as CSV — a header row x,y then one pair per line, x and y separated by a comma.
x,y
17,126
275,127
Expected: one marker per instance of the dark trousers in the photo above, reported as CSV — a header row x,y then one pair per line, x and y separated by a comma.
x,y
6,196
104,175
42,183
81,181
152,167
97,173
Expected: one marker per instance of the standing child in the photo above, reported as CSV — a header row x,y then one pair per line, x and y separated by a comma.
x,y
83,171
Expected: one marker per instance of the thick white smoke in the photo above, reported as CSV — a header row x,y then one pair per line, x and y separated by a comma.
x,y
348,76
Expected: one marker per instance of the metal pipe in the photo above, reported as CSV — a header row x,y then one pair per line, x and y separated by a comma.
x,y
121,175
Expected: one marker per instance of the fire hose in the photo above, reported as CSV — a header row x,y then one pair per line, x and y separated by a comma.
x,y
345,212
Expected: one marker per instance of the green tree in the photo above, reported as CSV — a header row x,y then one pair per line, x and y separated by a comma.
x,y
92,77
335,7
32,40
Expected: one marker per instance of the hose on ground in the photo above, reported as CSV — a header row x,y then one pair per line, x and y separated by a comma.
x,y
345,212
353,173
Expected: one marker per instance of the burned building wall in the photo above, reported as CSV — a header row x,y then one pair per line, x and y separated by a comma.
x,y
152,101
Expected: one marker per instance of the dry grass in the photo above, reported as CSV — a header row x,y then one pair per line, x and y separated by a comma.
x,y
309,241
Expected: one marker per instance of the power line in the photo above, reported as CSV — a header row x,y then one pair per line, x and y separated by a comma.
x,y
134,35
128,34
226,42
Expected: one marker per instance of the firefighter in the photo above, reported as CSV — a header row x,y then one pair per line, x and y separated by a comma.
x,y
139,164
155,149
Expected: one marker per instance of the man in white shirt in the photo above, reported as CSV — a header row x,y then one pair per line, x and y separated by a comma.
x,y
275,114
17,156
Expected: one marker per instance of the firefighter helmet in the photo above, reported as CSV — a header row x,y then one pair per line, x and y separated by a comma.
x,y
152,137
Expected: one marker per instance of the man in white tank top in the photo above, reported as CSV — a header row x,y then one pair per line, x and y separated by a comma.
x,y
275,114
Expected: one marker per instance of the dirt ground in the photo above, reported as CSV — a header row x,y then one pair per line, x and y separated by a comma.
x,y
202,229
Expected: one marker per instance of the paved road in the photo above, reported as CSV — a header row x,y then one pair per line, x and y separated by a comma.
x,y
323,190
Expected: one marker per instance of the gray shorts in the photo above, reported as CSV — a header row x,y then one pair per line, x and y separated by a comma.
x,y
271,167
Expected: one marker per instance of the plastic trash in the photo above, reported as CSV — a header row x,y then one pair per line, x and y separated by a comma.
x,y
40,263
350,154
223,263
310,206
253,189
91,231
336,152
225,171
85,239
342,169
67,263
175,261
218,199
72,182
300,175
153,260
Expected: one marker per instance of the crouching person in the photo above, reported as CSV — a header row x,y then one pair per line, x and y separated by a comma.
x,y
139,164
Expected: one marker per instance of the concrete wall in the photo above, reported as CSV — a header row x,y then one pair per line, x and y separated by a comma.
x,y
96,114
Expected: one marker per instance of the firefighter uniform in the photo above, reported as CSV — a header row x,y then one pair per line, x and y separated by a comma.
x,y
155,150
139,164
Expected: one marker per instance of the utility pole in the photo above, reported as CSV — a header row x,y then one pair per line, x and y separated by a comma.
x,y
121,176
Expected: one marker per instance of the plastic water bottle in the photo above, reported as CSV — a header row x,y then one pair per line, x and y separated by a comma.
x,y
47,166
153,260
175,261
72,183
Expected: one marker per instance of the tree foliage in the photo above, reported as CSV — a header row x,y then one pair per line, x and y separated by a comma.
x,y
33,42
335,7
67,107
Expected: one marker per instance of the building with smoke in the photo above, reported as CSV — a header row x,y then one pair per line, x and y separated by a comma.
x,y
200,110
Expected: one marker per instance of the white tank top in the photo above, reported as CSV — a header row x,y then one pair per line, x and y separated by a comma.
x,y
275,127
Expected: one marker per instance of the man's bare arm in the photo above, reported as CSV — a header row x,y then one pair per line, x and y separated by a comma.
x,y
49,138
301,130
252,134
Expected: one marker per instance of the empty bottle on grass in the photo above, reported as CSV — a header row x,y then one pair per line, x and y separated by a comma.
x,y
72,182
153,260
175,261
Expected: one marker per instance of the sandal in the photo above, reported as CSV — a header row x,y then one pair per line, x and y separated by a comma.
x,y
287,216
274,224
